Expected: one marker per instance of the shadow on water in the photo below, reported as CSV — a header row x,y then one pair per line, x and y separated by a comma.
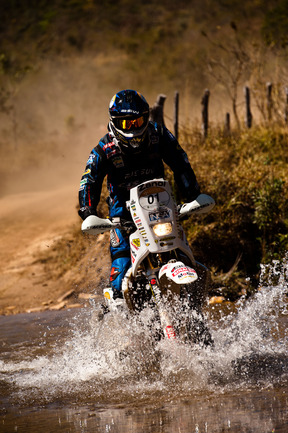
x,y
66,371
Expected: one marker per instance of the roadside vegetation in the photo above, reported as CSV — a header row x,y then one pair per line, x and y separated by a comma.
x,y
246,173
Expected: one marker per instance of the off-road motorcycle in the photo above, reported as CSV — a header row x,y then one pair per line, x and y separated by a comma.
x,y
164,274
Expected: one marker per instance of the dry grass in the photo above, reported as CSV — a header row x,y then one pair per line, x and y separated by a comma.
x,y
247,175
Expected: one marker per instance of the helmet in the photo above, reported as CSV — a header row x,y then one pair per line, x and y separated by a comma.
x,y
129,117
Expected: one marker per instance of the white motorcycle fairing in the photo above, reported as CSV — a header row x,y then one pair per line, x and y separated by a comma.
x,y
155,216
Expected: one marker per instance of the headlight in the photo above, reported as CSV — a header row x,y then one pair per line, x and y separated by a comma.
x,y
162,229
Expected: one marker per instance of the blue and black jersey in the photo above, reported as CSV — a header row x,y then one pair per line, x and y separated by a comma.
x,y
124,171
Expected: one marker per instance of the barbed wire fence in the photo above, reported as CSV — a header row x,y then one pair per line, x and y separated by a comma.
x,y
157,111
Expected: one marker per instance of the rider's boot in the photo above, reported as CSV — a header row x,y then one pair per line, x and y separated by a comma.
x,y
114,300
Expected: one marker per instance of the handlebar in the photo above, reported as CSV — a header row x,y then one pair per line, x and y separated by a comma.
x,y
95,225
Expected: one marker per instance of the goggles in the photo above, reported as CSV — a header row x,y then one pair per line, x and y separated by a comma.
x,y
131,124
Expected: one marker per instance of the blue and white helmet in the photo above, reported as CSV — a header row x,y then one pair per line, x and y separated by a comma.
x,y
129,118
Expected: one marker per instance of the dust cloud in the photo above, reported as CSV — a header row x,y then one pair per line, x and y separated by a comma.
x,y
59,113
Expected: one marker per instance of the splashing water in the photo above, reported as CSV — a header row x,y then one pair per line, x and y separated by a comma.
x,y
114,359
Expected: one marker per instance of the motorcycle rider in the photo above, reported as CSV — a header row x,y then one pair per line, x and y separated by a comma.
x,y
132,151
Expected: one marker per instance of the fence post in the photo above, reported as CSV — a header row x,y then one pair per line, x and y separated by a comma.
x,y
156,111
248,111
227,124
205,120
176,114
269,100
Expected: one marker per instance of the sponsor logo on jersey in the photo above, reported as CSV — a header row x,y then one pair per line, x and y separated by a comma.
x,y
91,158
83,182
87,172
118,161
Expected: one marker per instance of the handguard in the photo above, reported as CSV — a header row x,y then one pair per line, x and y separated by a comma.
x,y
202,204
93,225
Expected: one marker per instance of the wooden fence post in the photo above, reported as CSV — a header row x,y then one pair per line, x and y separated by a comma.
x,y
269,100
157,110
176,114
227,124
205,120
248,110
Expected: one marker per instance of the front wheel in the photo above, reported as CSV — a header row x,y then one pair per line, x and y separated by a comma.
x,y
197,331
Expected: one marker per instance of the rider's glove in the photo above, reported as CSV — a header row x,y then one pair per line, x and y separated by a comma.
x,y
86,211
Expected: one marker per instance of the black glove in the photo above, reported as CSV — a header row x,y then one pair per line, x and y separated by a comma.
x,y
84,212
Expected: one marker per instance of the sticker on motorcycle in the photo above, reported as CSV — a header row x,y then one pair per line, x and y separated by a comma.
x,y
183,273
136,243
170,332
156,216
178,273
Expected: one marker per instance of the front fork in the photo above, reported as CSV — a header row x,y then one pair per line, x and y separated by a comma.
x,y
165,320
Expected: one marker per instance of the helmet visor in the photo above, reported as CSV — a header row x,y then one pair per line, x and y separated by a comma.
x,y
130,124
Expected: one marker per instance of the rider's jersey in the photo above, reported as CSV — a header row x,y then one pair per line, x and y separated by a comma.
x,y
124,171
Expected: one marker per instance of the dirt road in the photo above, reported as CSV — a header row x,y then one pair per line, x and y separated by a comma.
x,y
30,222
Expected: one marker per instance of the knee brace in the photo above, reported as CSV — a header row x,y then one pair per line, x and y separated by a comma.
x,y
119,268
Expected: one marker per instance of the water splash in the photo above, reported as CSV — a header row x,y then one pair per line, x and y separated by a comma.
x,y
114,359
